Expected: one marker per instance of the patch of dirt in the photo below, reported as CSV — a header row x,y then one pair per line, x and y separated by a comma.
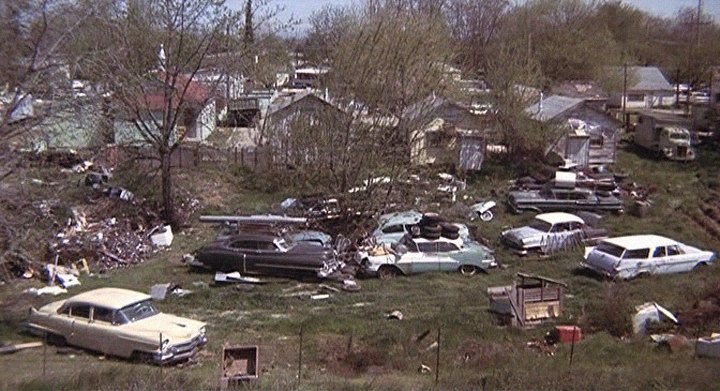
x,y
345,356
703,316
480,354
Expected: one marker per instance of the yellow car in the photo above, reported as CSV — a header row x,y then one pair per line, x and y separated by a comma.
x,y
119,322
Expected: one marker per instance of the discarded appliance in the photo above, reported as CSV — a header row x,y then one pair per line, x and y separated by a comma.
x,y
528,301
708,347
239,363
162,236
650,312
672,342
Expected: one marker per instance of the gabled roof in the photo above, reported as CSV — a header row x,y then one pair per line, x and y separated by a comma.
x,y
645,79
551,107
283,102
154,99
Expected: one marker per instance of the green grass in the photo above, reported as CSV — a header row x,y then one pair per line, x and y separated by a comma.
x,y
349,345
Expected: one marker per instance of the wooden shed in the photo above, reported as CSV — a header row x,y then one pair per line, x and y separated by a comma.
x,y
530,300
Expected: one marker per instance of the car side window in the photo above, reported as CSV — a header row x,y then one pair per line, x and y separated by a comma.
x,y
659,252
80,311
102,314
444,247
674,250
427,247
267,246
560,227
395,228
637,254
244,244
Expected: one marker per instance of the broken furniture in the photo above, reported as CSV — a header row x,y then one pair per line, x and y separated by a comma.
x,y
240,363
529,301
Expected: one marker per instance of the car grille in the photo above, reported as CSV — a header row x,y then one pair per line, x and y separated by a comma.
x,y
187,346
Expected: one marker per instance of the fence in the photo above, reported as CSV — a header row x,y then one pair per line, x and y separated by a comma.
x,y
189,155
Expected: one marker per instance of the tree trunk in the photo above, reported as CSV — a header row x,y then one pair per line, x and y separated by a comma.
x,y
167,188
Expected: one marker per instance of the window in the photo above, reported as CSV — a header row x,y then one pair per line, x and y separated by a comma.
x,y
266,246
674,250
395,228
560,227
636,97
244,244
427,247
637,254
577,196
103,314
610,249
434,139
597,142
444,247
542,226
140,310
80,311
659,252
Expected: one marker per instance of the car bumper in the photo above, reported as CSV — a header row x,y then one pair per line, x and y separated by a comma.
x,y
180,352
609,274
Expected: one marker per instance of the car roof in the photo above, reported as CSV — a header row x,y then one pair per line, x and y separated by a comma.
x,y
637,242
406,217
113,298
559,217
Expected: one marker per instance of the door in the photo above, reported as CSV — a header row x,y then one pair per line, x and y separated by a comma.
x,y
425,260
100,332
471,154
445,253
79,317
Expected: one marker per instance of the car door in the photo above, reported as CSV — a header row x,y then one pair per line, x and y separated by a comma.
x,y
101,333
79,316
660,261
446,254
235,255
425,260
266,259
677,261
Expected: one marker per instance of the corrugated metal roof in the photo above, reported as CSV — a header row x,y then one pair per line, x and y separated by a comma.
x,y
552,107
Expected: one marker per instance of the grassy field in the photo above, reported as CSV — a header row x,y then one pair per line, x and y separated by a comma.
x,y
347,344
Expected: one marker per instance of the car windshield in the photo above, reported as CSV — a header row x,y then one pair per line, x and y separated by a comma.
x,y
140,310
540,225
609,248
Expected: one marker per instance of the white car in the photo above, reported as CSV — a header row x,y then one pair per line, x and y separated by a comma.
x,y
550,231
628,257
119,322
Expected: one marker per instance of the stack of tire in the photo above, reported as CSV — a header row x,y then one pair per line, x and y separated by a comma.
x,y
432,228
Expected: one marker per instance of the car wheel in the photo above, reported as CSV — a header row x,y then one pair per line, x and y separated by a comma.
x,y
448,227
431,229
387,272
431,235
451,235
487,216
468,270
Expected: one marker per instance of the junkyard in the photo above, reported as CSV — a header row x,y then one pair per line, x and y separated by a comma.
x,y
462,257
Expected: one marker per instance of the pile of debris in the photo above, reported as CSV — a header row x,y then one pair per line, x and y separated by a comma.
x,y
105,242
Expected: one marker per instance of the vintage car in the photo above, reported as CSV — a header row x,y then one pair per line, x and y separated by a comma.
x,y
418,255
393,226
118,322
266,254
550,231
628,257
550,199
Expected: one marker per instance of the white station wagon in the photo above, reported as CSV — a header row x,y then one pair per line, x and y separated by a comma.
x,y
119,322
627,257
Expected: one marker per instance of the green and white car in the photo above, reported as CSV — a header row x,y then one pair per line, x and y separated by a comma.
x,y
419,255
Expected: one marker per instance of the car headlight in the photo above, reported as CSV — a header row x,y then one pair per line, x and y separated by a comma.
x,y
164,345
203,330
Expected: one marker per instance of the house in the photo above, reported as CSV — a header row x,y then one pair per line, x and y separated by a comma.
x,y
305,110
196,115
587,90
587,136
647,87
445,132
